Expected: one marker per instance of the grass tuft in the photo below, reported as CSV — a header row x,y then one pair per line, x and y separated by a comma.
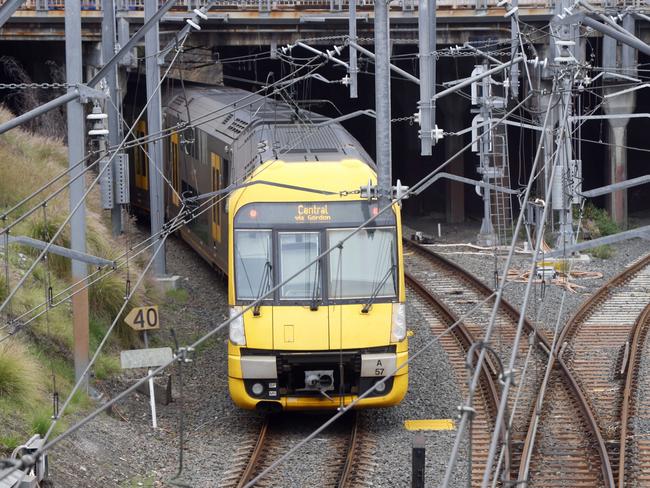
x,y
40,422
37,229
106,367
9,442
106,297
18,375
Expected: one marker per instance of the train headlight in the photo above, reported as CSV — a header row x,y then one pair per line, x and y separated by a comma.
x,y
237,335
398,329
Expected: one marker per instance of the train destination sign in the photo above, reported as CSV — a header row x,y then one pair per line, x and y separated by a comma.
x,y
308,213
143,318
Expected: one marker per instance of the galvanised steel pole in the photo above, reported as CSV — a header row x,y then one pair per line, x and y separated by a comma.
x,y
76,145
433,42
424,54
8,9
382,100
154,126
108,51
352,28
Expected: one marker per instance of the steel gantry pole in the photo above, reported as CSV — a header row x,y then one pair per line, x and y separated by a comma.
x,y
108,51
424,41
433,43
352,70
382,99
76,145
154,126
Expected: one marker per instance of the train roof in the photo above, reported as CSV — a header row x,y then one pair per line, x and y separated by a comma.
x,y
260,126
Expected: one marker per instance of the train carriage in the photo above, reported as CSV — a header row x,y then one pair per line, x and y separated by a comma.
x,y
336,328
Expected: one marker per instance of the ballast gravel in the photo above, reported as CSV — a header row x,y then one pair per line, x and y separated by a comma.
x,y
121,449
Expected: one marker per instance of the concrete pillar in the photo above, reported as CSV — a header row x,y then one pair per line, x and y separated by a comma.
x,y
619,57
621,104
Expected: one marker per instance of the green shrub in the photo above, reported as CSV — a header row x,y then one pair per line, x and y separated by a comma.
x,y
178,295
106,298
606,226
602,252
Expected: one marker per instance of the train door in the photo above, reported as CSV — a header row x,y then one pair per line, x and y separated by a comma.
x,y
141,170
216,165
176,172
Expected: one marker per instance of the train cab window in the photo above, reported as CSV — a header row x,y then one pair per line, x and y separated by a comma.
x,y
297,250
365,266
253,263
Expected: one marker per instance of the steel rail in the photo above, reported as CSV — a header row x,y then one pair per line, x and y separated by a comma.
x,y
566,336
568,333
345,478
247,475
465,340
545,346
257,455
638,338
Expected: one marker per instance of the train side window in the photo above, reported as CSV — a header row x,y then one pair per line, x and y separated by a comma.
x,y
176,174
217,184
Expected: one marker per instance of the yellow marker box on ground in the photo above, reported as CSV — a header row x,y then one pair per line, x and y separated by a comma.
x,y
430,424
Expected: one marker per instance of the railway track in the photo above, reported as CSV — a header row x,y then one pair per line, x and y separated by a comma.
x,y
600,345
635,410
343,454
569,419
456,345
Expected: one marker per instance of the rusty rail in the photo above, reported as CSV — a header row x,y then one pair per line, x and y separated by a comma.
x,y
595,379
639,336
566,380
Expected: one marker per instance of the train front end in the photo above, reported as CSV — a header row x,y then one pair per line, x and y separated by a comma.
x,y
337,327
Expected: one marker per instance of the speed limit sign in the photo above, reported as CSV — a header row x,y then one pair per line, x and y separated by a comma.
x,y
143,318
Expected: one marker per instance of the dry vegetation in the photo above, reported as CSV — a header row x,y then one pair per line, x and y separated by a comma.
x,y
30,359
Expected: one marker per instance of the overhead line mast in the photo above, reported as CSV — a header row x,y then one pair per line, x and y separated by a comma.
x,y
76,145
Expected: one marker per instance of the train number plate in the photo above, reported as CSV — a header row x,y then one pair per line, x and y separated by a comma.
x,y
378,365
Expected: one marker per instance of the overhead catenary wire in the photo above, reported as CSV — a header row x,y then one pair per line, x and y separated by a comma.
x,y
475,379
80,202
508,378
26,461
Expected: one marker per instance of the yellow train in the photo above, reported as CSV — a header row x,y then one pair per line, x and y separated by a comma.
x,y
333,331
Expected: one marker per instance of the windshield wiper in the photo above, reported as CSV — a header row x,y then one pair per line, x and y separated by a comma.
x,y
375,291
313,306
264,284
